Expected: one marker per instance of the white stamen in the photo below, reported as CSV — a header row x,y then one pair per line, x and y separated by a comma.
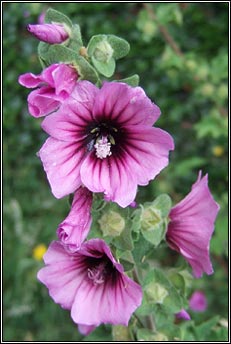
x,y
103,148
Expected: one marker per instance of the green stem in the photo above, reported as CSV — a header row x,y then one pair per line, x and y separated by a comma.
x,y
151,323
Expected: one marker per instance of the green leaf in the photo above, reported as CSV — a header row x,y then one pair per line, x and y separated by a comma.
x,y
168,295
203,330
126,259
163,203
75,40
136,223
219,242
124,241
109,45
53,16
154,219
131,80
141,248
105,68
57,53
119,45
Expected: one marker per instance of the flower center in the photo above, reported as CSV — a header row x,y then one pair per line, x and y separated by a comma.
x,y
102,147
97,274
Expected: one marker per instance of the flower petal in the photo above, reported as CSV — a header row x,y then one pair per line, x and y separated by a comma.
x,y
42,102
30,80
191,226
66,275
146,151
113,303
95,173
61,162
65,78
62,276
125,104
74,229
85,329
71,120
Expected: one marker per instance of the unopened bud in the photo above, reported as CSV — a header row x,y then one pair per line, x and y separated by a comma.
x,y
150,218
49,33
103,52
112,223
156,292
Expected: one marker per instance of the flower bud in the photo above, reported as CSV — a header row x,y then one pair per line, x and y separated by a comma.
x,y
156,292
112,223
150,218
103,52
49,33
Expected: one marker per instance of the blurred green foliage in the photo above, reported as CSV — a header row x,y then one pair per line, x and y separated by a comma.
x,y
180,52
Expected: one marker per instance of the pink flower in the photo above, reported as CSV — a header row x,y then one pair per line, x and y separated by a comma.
x,y
198,301
183,314
74,229
91,284
54,85
49,33
191,226
104,139
86,329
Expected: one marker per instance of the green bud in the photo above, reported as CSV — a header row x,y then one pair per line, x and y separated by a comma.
x,y
150,218
156,292
103,51
111,223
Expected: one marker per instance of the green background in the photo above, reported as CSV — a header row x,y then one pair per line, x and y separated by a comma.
x,y
189,84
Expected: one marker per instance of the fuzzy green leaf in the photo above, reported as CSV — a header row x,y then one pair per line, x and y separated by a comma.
x,y
154,219
53,16
75,41
109,44
119,45
105,68
165,293
57,53
131,80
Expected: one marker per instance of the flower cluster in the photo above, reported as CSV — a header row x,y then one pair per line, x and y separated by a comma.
x,y
103,143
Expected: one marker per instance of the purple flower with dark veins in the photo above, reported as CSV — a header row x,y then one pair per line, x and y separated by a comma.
x,y
104,139
91,284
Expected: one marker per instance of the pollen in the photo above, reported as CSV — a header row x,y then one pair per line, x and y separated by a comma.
x,y
103,148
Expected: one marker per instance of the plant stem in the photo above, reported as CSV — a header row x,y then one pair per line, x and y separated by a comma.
x,y
169,39
150,323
